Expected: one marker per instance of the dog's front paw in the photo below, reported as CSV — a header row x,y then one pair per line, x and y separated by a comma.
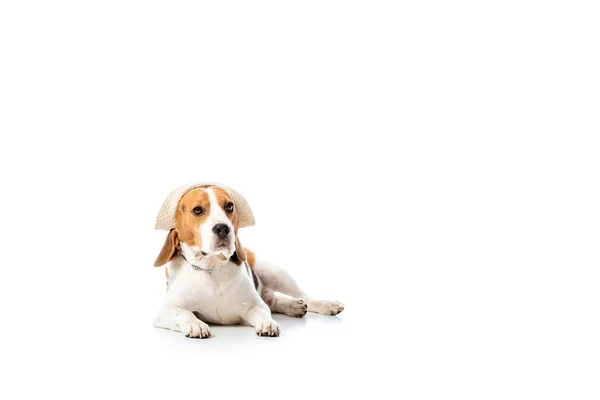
x,y
195,329
268,328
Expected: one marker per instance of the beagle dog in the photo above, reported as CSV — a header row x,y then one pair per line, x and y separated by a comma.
x,y
211,278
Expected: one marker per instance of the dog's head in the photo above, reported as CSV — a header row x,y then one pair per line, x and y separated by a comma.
x,y
206,225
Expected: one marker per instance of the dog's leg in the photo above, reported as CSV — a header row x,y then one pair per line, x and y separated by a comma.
x,y
184,321
279,303
277,279
259,317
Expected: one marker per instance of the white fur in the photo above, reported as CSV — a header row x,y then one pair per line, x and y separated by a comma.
x,y
221,292
224,296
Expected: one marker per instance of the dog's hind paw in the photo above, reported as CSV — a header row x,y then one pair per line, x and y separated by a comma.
x,y
297,308
325,307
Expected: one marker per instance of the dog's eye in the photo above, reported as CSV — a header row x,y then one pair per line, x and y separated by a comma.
x,y
198,211
229,207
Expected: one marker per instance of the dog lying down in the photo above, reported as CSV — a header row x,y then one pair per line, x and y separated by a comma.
x,y
211,278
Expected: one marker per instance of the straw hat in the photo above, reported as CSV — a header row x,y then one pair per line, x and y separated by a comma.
x,y
166,216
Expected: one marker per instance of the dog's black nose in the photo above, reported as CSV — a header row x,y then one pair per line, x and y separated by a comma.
x,y
221,230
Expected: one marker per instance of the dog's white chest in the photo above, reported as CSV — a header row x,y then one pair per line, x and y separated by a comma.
x,y
217,295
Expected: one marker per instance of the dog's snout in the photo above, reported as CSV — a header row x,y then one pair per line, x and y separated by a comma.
x,y
221,230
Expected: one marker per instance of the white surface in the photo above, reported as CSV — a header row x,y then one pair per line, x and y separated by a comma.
x,y
433,165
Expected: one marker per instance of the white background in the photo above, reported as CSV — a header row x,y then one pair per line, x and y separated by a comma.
x,y
433,165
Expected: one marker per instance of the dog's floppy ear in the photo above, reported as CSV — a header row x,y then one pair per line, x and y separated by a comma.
x,y
239,250
169,249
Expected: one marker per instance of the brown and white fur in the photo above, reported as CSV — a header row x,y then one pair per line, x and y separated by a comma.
x,y
215,285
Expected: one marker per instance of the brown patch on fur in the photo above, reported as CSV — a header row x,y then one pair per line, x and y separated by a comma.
x,y
169,250
251,257
186,222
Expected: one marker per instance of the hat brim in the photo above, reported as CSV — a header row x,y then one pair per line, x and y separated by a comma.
x,y
165,219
